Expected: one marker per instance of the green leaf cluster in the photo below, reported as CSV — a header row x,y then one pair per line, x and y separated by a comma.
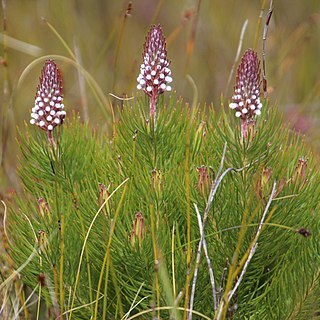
x,y
97,262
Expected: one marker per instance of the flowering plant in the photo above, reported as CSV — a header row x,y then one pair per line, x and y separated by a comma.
x,y
246,98
155,74
48,112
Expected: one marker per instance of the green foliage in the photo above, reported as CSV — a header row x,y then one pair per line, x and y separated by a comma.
x,y
94,251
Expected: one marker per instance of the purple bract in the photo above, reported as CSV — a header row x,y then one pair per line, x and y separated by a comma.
x,y
48,112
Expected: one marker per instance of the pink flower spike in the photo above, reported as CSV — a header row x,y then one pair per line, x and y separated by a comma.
x,y
155,75
48,112
246,98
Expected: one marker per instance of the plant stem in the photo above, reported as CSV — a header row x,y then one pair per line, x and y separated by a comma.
x,y
222,311
153,101
61,245
211,274
51,139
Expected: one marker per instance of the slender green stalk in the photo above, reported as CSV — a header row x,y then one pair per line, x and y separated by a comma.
x,y
116,56
61,263
258,26
172,262
88,265
188,216
39,302
6,91
156,12
238,269
85,243
156,259
53,29
199,314
107,261
117,288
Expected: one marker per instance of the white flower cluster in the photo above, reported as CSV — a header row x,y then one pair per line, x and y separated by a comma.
x,y
155,74
48,112
246,98
244,103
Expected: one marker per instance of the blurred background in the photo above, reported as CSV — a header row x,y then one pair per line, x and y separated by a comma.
x,y
107,37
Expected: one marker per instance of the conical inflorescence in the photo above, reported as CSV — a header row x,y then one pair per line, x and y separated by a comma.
x,y
155,74
246,97
48,112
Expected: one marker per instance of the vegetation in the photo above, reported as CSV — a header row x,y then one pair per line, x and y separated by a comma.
x,y
179,210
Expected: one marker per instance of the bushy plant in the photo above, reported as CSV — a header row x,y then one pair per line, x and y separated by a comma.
x,y
108,227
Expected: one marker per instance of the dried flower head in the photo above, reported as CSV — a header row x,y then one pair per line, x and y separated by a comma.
x,y
304,232
44,209
300,171
138,229
48,112
43,241
299,175
246,98
155,75
204,179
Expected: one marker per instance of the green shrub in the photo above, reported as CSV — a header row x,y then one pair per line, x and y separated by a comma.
x,y
134,237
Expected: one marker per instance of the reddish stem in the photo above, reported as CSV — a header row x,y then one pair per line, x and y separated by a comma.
x,y
153,100
51,139
244,128
247,128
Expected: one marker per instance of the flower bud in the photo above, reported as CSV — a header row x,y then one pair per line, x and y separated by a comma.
x,y
157,179
300,172
204,181
262,184
138,229
104,193
43,241
44,209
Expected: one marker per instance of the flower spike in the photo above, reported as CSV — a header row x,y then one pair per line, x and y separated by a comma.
x,y
155,75
246,98
48,112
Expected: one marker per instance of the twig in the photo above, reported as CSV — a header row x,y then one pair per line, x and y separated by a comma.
x,y
244,27
119,98
213,191
4,222
27,300
273,192
223,277
250,255
133,305
264,40
178,298
221,162
217,183
214,292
